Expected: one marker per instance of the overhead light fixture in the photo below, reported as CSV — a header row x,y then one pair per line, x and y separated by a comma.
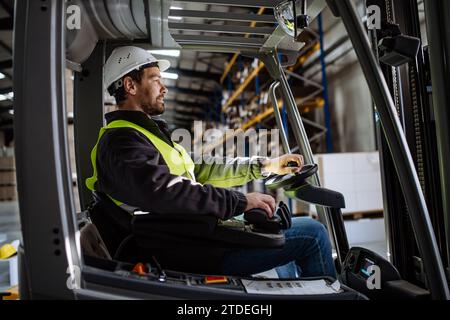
x,y
168,53
176,18
169,75
7,96
11,111
175,8
2,76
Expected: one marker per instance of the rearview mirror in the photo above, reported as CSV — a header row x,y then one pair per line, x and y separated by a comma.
x,y
290,22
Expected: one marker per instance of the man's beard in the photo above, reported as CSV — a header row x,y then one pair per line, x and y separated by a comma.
x,y
154,110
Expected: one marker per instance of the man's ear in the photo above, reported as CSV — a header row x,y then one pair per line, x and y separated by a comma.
x,y
129,86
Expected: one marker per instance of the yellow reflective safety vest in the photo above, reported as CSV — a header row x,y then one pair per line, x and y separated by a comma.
x,y
176,157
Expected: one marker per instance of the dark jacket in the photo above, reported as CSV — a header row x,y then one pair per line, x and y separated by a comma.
x,y
132,170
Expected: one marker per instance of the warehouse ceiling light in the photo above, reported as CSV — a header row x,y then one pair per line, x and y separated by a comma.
x,y
169,75
2,76
7,96
169,53
175,17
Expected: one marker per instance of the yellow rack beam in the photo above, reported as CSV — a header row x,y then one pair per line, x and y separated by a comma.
x,y
209,148
235,56
242,86
305,107
255,72
260,117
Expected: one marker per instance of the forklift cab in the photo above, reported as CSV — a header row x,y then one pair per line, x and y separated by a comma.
x,y
51,229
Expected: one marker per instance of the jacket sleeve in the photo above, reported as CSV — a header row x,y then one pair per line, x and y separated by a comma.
x,y
131,170
228,172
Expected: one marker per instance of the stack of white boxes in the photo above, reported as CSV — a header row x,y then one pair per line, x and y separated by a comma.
x,y
356,176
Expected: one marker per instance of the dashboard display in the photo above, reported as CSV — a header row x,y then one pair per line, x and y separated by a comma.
x,y
365,265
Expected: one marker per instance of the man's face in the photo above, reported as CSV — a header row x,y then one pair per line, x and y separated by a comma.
x,y
151,91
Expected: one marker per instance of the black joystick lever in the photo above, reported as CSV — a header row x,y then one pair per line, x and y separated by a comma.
x,y
282,220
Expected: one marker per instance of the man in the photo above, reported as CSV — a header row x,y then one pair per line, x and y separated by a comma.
x,y
138,166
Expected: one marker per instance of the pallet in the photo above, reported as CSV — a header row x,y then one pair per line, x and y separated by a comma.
x,y
375,214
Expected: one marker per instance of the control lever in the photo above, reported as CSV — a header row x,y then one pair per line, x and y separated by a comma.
x,y
282,220
285,215
161,274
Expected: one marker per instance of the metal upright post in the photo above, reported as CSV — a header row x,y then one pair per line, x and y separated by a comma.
x,y
273,66
399,149
88,116
438,28
278,119
44,181
326,109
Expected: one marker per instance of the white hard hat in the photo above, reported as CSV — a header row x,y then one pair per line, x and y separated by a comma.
x,y
126,59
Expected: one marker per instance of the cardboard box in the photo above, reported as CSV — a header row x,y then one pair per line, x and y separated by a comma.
x,y
356,175
7,162
8,193
7,177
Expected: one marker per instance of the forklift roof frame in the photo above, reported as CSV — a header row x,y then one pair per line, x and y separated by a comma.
x,y
50,231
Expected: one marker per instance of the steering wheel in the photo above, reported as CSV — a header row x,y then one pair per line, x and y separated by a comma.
x,y
289,180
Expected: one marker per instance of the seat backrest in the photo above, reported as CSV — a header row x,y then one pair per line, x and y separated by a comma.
x,y
175,239
112,222
92,243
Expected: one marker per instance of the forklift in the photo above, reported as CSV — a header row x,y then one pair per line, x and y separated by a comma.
x,y
53,264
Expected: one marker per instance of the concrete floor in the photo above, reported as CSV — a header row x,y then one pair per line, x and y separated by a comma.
x,y
367,233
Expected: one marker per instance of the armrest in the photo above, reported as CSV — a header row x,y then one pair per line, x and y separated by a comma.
x,y
180,224
316,195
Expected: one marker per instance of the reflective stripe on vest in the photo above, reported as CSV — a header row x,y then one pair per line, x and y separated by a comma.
x,y
176,157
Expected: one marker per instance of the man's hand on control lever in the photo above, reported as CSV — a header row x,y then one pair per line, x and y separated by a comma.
x,y
289,163
261,201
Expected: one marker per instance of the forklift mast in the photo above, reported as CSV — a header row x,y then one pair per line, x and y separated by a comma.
x,y
411,93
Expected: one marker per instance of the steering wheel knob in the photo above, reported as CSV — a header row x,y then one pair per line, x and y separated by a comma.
x,y
289,180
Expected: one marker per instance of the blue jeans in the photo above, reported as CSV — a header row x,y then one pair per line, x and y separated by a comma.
x,y
306,253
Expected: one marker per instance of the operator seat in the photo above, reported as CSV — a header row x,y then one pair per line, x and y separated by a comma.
x,y
189,243
92,243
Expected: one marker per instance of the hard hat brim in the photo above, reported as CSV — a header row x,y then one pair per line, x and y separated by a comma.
x,y
7,251
163,65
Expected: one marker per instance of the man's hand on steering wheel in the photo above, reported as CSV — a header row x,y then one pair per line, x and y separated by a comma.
x,y
286,164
